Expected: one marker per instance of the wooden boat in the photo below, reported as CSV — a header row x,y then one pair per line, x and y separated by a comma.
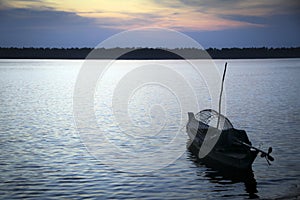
x,y
214,140
228,148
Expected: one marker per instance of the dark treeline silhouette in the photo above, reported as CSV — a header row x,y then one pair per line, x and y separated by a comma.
x,y
148,53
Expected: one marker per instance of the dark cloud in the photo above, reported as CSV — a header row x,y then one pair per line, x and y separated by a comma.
x,y
28,27
21,19
249,19
275,5
280,31
199,3
290,21
132,20
31,27
140,20
240,8
30,4
277,21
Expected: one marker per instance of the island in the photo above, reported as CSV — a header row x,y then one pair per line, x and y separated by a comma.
x,y
148,53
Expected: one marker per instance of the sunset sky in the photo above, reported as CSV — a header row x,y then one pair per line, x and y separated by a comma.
x,y
213,23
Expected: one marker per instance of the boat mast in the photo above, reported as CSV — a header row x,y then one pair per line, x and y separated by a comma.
x,y
220,98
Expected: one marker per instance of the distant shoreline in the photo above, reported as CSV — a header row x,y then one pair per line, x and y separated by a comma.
x,y
148,53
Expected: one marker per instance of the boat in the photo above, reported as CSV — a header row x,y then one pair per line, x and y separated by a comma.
x,y
226,150
215,141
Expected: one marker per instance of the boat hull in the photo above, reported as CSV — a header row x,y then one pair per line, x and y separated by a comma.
x,y
222,153
215,158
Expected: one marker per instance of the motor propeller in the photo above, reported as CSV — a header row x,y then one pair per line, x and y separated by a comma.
x,y
267,155
263,153
270,150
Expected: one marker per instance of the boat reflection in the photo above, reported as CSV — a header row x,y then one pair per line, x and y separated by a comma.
x,y
224,175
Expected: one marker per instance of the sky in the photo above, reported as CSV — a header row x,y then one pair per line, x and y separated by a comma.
x,y
212,23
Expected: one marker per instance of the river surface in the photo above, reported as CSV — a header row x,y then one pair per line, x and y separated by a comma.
x,y
47,153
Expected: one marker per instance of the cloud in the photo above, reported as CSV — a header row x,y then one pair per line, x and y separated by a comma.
x,y
29,27
177,14
39,19
28,4
232,13
67,23
174,19
281,31
245,7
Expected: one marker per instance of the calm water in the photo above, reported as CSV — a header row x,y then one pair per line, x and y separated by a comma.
x,y
43,156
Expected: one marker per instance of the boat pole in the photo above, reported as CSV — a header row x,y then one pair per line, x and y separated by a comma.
x,y
220,98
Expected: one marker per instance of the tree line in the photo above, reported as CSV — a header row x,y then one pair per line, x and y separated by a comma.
x,y
148,53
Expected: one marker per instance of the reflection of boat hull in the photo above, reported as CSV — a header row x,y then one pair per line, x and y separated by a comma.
x,y
225,151
219,173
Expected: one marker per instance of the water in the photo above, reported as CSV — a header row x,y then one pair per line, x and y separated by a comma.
x,y
43,156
